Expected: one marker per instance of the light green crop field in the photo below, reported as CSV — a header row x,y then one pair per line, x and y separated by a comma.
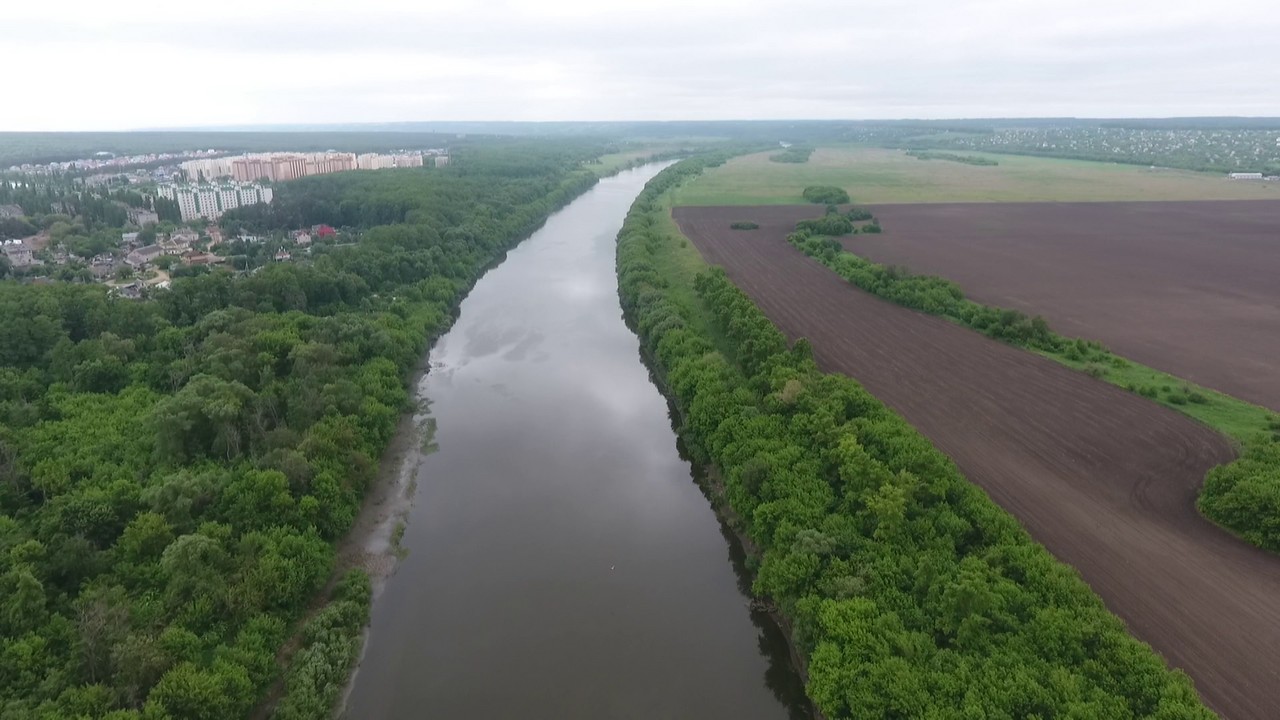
x,y
875,175
612,163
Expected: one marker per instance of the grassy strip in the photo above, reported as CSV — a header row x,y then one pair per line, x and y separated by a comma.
x,y
319,671
911,593
1242,496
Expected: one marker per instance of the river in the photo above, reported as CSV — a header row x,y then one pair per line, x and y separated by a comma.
x,y
559,561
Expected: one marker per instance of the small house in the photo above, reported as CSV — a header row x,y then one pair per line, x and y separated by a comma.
x,y
144,255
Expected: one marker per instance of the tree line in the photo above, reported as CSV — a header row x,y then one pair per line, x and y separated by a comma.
x,y
911,593
953,157
794,154
1243,495
174,473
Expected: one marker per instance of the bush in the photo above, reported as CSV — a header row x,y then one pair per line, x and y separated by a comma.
x,y
743,225
830,225
825,195
1245,495
319,671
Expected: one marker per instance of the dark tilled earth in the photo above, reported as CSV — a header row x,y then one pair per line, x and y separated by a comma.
x,y
1191,288
1105,479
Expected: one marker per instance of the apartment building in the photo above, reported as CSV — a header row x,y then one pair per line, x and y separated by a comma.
x,y
211,201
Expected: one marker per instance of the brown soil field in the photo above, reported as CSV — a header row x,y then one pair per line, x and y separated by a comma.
x,y
1190,288
1105,479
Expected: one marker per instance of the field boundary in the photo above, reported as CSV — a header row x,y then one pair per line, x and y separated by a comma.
x,y
879,175
1236,496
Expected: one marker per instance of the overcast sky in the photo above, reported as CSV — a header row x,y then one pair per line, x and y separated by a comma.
x,y
121,64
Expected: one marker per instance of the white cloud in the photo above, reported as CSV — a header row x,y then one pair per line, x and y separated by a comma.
x,y
148,63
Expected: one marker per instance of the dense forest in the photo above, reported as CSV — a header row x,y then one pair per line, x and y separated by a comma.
x,y
1243,496
911,593
174,472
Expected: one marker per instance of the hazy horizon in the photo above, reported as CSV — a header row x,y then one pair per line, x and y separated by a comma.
x,y
408,125
141,64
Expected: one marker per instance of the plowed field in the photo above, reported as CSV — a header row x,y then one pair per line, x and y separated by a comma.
x,y
1105,479
1189,288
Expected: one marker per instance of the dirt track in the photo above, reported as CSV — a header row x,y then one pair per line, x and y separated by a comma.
x,y
1103,478
1191,288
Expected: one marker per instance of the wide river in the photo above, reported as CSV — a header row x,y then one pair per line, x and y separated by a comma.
x,y
561,562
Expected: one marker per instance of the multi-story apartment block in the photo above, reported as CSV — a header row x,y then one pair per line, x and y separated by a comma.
x,y
211,201
229,197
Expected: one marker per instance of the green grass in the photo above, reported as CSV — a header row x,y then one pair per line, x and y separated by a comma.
x,y
397,537
679,262
1230,416
876,175
614,162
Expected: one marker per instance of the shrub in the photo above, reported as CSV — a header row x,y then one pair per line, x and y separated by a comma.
x,y
825,195
743,225
1245,495
831,225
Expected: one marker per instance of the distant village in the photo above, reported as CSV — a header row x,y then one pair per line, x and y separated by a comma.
x,y
146,259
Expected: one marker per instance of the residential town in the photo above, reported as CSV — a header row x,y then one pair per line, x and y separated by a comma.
x,y
133,231
146,259
278,167
210,201
106,161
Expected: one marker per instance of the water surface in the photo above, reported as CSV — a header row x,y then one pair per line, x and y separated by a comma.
x,y
561,561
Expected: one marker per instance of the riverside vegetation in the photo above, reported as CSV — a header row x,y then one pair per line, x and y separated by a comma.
x,y
174,473
1243,495
911,593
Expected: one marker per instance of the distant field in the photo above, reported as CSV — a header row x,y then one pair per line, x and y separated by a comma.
x,y
614,162
873,175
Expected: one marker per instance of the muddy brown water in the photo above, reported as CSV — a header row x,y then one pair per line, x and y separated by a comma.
x,y
561,562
